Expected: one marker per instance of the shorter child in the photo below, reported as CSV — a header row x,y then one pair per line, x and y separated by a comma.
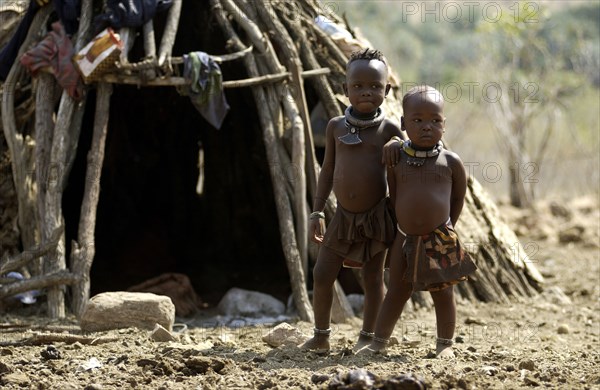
x,y
427,190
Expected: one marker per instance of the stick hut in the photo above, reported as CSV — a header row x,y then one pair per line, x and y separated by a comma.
x,y
289,66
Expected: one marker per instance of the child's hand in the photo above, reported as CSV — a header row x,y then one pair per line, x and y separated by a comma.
x,y
391,152
316,229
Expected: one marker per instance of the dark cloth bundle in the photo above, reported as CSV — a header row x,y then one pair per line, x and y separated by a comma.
x,y
129,13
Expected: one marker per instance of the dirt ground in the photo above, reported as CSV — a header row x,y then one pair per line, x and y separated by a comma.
x,y
549,341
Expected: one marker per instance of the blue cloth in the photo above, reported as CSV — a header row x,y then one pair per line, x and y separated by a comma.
x,y
129,13
68,12
206,87
28,297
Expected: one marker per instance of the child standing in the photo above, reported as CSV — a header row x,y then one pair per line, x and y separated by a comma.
x,y
427,190
363,226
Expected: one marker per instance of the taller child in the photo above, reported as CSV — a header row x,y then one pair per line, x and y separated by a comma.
x,y
363,226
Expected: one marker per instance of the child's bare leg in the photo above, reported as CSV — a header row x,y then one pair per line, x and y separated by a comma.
x,y
324,274
372,275
398,293
445,315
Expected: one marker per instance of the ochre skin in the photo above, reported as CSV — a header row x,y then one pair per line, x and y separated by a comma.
x,y
357,176
423,197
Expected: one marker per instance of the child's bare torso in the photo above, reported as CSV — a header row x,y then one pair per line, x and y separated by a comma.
x,y
359,181
423,194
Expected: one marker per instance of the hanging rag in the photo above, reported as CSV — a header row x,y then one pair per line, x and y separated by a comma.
x,y
205,87
130,13
55,51
9,53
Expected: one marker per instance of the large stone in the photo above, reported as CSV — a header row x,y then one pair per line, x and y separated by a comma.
x,y
284,334
244,303
119,309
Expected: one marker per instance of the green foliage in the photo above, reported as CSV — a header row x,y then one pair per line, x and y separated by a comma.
x,y
419,42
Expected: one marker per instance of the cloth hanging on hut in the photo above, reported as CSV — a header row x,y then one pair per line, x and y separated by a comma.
x,y
130,13
9,53
205,87
68,13
55,51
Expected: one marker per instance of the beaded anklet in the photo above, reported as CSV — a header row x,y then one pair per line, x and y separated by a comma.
x,y
381,340
325,332
444,341
367,334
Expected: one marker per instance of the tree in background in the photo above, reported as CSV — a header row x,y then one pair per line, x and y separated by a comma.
x,y
455,50
527,82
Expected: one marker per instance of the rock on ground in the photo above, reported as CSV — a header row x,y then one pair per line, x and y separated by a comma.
x,y
114,310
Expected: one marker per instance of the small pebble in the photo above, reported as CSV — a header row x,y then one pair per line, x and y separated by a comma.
x,y
93,386
563,329
488,370
50,353
319,378
527,364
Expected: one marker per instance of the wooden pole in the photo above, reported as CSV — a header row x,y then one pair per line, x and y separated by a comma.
x,y
170,31
341,305
299,161
22,161
8,264
64,142
37,282
282,203
299,181
83,250
149,48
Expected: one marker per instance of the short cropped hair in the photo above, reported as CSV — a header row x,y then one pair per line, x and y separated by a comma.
x,y
367,54
422,90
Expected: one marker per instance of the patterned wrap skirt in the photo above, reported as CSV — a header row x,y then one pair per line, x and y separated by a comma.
x,y
436,260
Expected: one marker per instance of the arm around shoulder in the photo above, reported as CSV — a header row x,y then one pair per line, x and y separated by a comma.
x,y
391,150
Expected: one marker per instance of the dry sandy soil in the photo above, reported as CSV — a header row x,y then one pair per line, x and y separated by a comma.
x,y
549,341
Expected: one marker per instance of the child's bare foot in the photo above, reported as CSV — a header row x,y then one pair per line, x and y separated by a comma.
x,y
364,339
443,349
319,343
377,345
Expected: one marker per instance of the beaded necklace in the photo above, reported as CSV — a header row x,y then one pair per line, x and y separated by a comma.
x,y
417,158
355,125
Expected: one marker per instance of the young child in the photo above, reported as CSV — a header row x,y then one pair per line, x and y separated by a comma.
x,y
427,190
363,226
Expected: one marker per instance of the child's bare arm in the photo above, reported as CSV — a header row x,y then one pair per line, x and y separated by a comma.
x,y
324,184
392,148
459,186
